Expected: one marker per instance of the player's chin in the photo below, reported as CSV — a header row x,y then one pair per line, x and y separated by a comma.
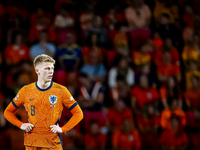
x,y
48,79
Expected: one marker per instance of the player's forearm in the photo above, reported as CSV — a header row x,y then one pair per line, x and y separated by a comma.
x,y
75,119
9,114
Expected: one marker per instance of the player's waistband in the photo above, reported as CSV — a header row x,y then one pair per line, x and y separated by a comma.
x,y
41,129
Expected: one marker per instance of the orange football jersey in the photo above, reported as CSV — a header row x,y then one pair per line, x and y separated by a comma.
x,y
44,108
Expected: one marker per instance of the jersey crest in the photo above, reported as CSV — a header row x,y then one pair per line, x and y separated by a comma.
x,y
53,99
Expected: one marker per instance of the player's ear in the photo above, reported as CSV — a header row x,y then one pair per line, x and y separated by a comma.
x,y
37,71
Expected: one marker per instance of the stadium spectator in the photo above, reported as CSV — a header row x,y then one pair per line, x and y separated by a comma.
x,y
69,54
122,69
97,28
120,40
142,94
188,16
167,29
192,98
187,34
17,25
173,110
121,91
85,19
94,139
117,114
64,19
40,12
169,92
92,45
43,46
148,121
35,31
167,46
95,70
146,70
168,69
174,138
142,57
191,51
126,138
17,52
91,93
193,70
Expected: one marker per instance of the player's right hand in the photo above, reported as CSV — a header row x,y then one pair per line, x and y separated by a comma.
x,y
26,127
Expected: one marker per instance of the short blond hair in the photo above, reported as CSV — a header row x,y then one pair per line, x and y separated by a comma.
x,y
43,58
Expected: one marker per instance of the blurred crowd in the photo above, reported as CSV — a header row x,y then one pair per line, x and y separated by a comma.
x,y
132,65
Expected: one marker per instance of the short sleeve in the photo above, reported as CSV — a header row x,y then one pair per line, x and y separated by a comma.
x,y
68,100
18,101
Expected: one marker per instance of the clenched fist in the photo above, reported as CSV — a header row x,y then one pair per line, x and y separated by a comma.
x,y
56,129
26,127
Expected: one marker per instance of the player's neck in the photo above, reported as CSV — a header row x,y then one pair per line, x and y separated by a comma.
x,y
42,84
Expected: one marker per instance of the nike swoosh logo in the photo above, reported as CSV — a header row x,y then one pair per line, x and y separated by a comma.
x,y
31,99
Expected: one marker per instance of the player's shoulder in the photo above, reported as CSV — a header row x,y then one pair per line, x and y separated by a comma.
x,y
28,86
58,86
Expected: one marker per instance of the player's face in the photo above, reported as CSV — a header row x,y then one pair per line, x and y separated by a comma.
x,y
45,71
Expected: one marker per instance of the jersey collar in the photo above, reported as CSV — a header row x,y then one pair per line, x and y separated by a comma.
x,y
43,89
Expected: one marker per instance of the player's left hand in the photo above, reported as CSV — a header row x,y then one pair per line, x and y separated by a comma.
x,y
56,129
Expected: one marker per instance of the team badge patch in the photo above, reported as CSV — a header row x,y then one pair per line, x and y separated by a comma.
x,y
16,97
53,99
71,98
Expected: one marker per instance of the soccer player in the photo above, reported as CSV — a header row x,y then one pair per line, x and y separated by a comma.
x,y
44,101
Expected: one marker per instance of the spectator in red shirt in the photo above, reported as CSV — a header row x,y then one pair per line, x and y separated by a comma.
x,y
17,52
148,122
168,69
39,13
142,94
126,138
169,92
117,114
95,140
167,46
174,138
41,25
